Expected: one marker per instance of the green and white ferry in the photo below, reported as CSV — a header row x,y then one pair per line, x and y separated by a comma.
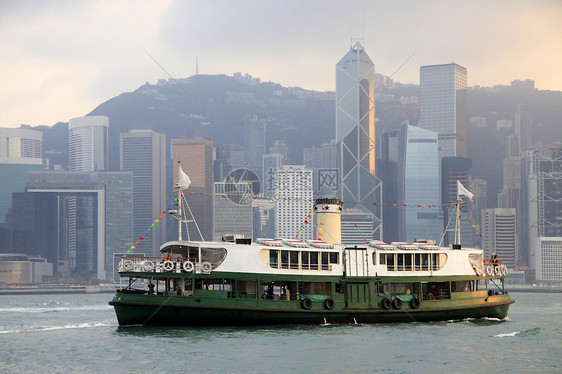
x,y
286,281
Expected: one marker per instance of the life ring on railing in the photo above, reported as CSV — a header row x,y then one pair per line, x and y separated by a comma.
x,y
148,266
397,303
489,270
329,304
415,303
504,270
168,265
386,303
188,266
206,267
128,265
306,303
497,270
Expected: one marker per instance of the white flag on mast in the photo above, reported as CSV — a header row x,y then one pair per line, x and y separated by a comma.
x,y
183,179
462,191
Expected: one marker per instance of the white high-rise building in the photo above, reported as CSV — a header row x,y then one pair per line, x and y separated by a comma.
x,y
443,106
88,143
294,202
144,153
499,235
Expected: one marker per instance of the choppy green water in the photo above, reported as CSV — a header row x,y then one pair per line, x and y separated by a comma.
x,y
79,333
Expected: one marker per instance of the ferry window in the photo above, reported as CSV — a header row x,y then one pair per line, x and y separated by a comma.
x,y
325,261
293,260
382,259
313,260
400,262
274,258
390,261
408,261
434,262
284,259
417,262
246,289
334,258
461,286
425,261
304,260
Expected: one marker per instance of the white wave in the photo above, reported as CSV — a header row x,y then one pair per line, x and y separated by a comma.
x,y
68,326
506,335
54,309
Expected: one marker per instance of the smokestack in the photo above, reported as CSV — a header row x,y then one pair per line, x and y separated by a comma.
x,y
328,220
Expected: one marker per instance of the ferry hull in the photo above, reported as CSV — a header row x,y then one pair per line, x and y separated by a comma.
x,y
174,311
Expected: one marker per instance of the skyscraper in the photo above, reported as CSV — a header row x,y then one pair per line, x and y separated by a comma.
x,y
545,215
418,182
88,143
143,152
196,157
443,106
254,141
20,152
523,126
355,133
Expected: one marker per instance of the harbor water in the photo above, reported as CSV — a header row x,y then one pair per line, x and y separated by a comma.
x,y
79,333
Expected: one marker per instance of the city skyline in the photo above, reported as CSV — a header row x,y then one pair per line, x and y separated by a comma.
x,y
62,74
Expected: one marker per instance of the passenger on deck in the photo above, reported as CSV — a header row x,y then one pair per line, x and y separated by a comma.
x,y
494,259
169,257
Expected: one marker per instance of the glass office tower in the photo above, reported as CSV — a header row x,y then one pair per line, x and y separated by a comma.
x,y
355,133
420,184
443,106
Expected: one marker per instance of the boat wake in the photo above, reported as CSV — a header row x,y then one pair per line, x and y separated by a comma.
x,y
50,309
529,332
65,327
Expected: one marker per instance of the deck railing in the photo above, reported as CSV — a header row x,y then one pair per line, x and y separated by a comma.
x,y
163,265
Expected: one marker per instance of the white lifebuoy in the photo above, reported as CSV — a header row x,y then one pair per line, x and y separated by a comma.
x,y
188,266
489,270
497,270
504,270
206,267
168,265
128,265
147,266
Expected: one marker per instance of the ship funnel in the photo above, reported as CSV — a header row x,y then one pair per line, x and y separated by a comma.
x,y
328,220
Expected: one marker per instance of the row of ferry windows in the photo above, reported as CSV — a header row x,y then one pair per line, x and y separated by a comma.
x,y
411,261
303,260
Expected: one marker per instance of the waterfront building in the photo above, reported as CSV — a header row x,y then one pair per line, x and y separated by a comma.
x,y
545,215
143,152
76,220
499,234
20,152
355,134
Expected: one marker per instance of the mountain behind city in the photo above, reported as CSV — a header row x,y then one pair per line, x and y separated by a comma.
x,y
216,107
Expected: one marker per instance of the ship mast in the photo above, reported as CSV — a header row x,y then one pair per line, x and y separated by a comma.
x,y
183,206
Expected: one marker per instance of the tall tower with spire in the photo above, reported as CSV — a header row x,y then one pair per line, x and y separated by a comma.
x,y
355,134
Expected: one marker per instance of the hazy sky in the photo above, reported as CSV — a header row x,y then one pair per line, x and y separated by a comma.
x,y
59,59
